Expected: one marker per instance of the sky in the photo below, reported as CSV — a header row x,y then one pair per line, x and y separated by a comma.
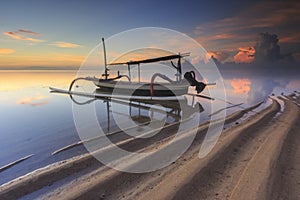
x,y
62,33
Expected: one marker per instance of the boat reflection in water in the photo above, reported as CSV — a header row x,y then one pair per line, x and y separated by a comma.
x,y
136,113
130,124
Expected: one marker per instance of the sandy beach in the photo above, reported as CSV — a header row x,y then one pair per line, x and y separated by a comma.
x,y
255,159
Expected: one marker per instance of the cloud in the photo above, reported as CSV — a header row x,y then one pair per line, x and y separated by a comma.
x,y
213,37
267,49
244,55
21,35
33,101
65,44
234,32
261,15
6,51
221,56
28,32
200,58
290,39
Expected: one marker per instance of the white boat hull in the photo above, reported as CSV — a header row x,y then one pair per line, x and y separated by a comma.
x,y
143,89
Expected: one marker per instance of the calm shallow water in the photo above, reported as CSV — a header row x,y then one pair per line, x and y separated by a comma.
x,y
34,121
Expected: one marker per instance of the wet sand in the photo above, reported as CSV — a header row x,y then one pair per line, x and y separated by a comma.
x,y
255,159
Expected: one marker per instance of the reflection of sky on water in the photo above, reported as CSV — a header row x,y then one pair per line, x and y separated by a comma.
x,y
33,121
33,101
254,89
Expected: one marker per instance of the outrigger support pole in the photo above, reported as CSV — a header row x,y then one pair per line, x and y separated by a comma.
x,y
178,68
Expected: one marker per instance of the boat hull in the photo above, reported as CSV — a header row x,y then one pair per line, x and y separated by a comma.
x,y
143,89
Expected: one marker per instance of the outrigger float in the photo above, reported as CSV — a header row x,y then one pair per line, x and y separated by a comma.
x,y
114,87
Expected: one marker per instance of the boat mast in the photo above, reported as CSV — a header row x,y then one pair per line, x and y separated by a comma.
x,y
105,62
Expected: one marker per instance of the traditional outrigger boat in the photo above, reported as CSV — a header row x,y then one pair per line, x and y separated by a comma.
x,y
116,87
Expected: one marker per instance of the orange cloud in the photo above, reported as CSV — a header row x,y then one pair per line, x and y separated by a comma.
x,y
6,51
245,55
33,101
241,86
65,44
19,35
219,55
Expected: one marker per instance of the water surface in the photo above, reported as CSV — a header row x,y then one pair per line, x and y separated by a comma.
x,y
35,121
